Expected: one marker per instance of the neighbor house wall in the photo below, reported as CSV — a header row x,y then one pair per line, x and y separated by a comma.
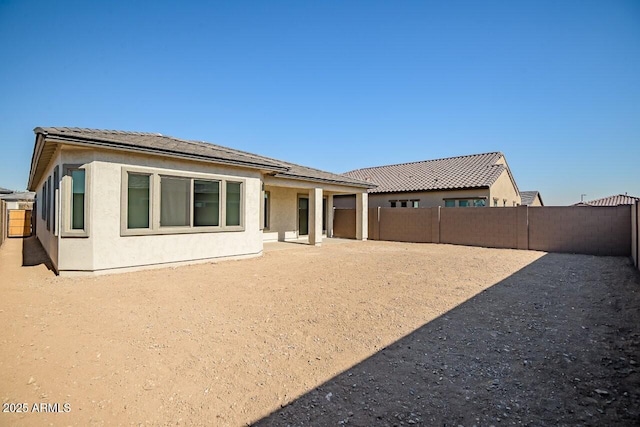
x,y
426,199
105,248
503,189
588,230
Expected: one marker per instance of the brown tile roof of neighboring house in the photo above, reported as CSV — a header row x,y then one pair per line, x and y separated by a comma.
x,y
473,171
527,197
155,143
616,200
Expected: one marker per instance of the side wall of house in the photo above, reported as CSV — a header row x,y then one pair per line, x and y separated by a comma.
x,y
51,206
105,247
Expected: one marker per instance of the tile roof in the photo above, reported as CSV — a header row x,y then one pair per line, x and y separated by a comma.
x,y
528,197
170,146
5,190
473,171
616,200
21,196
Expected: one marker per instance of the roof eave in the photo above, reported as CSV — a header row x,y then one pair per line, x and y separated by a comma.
x,y
162,152
324,180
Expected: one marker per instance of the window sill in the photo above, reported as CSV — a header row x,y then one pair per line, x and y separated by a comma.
x,y
178,230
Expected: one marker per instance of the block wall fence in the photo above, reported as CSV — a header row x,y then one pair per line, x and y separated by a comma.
x,y
3,221
635,234
574,229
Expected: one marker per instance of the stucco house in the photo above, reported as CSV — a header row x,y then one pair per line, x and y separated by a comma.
x,y
531,198
477,180
112,201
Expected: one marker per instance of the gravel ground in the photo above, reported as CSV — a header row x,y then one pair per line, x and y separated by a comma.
x,y
359,333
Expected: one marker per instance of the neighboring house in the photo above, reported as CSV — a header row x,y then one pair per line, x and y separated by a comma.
x,y
616,200
17,200
465,181
531,198
112,200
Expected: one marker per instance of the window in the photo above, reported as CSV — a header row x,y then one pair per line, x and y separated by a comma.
x,y
403,203
175,201
48,214
393,203
266,207
233,203
77,199
449,203
415,203
495,202
74,201
478,203
153,203
206,203
504,202
56,186
463,203
138,200
43,209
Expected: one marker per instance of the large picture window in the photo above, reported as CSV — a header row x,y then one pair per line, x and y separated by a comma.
x,y
206,203
154,203
175,194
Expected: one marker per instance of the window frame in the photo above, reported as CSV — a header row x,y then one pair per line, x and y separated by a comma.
x,y
155,176
66,201
265,220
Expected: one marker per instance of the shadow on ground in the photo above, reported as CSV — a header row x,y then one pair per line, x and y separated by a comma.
x,y
33,253
556,343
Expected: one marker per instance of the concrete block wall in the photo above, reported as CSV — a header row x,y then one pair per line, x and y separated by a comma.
x,y
574,229
4,218
582,229
635,234
494,228
405,225
344,223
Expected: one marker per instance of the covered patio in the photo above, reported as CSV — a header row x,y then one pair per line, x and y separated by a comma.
x,y
302,210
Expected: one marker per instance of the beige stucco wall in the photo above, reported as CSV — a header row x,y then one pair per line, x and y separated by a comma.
x,y
502,189
536,201
283,213
106,249
46,237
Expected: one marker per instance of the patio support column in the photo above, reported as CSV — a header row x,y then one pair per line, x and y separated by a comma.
x,y
315,216
362,216
329,215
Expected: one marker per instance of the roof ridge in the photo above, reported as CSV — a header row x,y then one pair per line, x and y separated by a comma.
x,y
426,161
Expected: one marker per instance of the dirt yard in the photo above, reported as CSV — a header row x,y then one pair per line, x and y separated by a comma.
x,y
357,333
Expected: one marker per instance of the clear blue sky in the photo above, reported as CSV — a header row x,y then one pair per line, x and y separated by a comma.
x,y
340,85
